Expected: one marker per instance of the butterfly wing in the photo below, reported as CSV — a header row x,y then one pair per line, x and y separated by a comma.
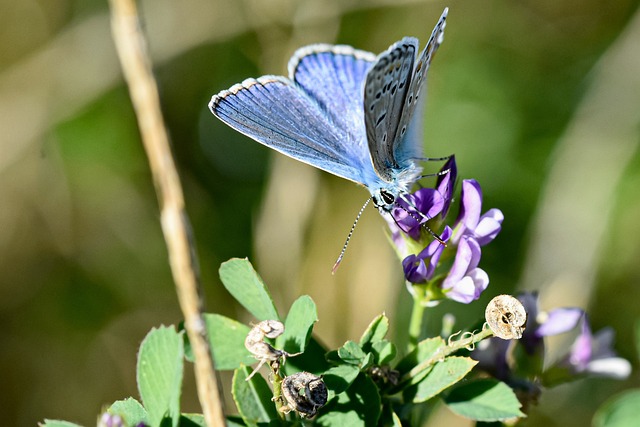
x,y
334,76
386,87
277,113
408,143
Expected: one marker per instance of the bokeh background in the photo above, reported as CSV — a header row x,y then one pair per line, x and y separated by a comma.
x,y
539,100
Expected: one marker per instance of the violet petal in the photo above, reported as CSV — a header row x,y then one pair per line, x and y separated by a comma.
x,y
560,320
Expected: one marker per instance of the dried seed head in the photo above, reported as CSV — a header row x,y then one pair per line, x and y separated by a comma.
x,y
304,393
506,317
261,350
264,329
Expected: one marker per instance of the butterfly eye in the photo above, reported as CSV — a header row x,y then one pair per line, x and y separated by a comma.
x,y
387,197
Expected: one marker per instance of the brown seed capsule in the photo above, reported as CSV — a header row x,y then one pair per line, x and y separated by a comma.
x,y
506,317
304,393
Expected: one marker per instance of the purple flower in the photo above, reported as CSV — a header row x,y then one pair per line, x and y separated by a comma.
x,y
110,420
593,354
483,228
413,210
446,184
558,321
589,354
420,268
427,201
466,281
542,324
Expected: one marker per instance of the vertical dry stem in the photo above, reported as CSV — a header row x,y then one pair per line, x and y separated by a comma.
x,y
132,51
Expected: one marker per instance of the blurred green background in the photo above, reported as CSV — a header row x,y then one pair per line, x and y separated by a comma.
x,y
539,100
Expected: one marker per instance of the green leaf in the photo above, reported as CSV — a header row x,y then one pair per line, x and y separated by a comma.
x,y
235,421
246,286
376,331
253,398
359,406
423,351
351,353
226,337
484,400
188,351
159,373
619,411
384,352
367,362
298,326
339,378
192,420
332,357
131,411
443,375
58,423
312,360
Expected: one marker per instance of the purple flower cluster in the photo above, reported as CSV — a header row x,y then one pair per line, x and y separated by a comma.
x,y
589,354
464,281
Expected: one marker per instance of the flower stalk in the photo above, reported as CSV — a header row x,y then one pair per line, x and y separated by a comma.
x,y
452,347
417,316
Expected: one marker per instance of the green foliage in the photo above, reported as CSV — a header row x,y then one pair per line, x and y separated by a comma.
x,y
484,400
375,332
443,375
359,405
246,286
619,411
365,385
253,398
160,363
131,411
364,388
298,326
227,342
192,420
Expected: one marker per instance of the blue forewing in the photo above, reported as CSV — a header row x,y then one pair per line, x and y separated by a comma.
x,y
342,110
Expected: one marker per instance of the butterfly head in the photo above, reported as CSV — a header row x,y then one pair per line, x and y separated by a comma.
x,y
384,199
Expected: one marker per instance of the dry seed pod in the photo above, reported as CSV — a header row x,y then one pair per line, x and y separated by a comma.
x,y
261,350
255,340
506,317
304,393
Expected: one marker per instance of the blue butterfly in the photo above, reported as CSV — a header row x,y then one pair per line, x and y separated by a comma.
x,y
345,111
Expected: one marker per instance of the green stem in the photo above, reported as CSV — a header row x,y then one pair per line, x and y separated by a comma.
x,y
443,352
417,316
277,392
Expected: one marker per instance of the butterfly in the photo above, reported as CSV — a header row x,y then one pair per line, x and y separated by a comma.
x,y
343,110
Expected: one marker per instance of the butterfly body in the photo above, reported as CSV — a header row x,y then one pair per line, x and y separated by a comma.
x,y
346,111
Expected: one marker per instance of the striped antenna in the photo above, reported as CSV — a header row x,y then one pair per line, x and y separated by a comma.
x,y
346,243
416,217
